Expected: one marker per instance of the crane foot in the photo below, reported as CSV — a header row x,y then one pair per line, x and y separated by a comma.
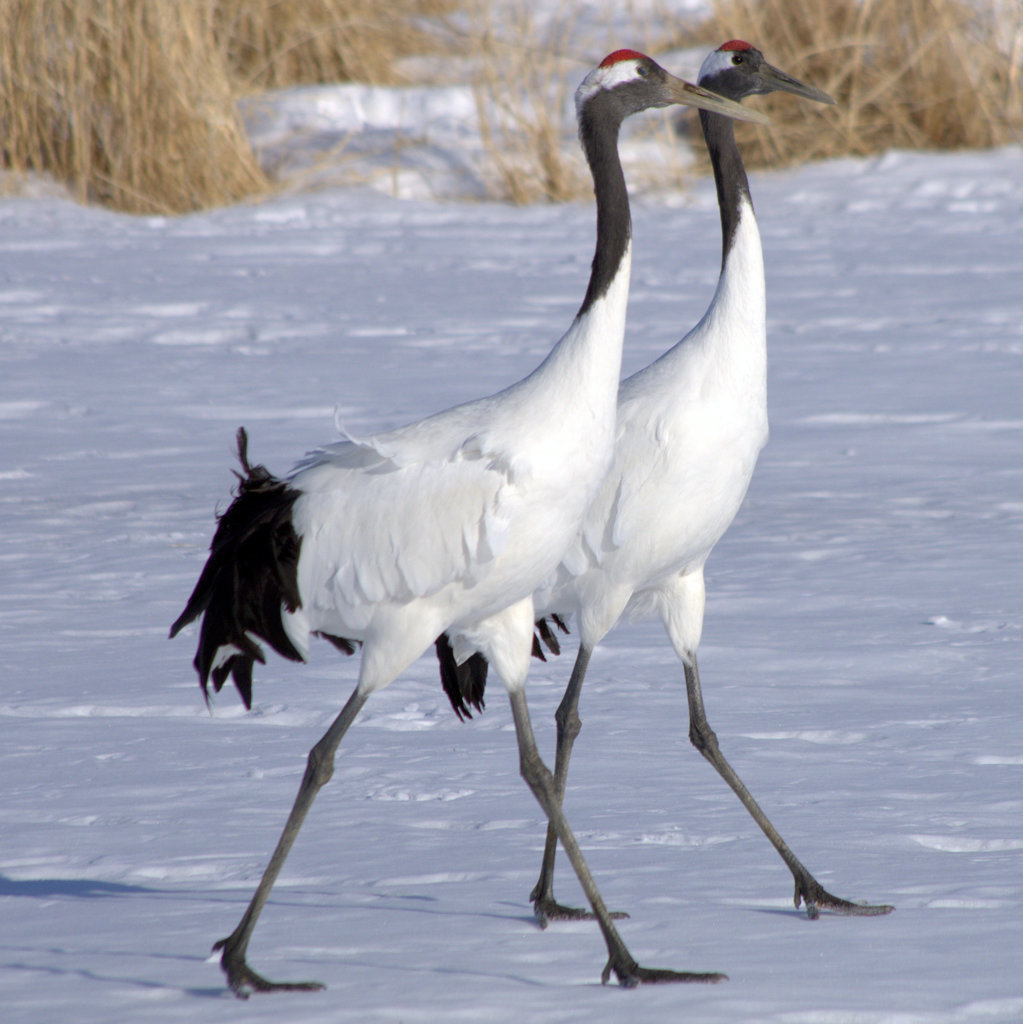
x,y
815,897
630,975
243,980
547,909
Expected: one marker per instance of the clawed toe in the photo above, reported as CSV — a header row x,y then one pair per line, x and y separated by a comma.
x,y
816,898
630,975
243,980
547,910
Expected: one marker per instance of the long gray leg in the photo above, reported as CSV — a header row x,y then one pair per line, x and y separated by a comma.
x,y
542,784
808,889
545,906
319,769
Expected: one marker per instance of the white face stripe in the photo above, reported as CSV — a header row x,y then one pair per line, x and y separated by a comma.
x,y
606,78
716,60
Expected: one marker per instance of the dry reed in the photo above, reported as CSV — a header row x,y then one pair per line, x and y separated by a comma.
x,y
124,100
270,44
132,102
526,62
521,86
916,74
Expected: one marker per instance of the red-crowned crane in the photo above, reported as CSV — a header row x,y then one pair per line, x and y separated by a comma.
x,y
448,524
690,428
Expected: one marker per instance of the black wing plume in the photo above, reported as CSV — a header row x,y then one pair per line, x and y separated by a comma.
x,y
250,576
465,684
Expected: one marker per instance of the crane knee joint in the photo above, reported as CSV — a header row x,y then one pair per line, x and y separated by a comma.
x,y
319,768
703,738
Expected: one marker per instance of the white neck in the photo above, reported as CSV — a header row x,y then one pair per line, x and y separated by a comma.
x,y
737,315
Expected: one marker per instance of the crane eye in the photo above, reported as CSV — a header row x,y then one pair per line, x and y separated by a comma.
x,y
642,70
737,58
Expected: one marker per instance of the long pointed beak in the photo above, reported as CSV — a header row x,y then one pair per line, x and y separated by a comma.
x,y
775,80
690,95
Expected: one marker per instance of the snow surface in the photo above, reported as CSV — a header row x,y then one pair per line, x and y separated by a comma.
x,y
860,659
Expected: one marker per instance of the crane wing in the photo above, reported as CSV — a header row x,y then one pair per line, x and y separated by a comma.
x,y
386,524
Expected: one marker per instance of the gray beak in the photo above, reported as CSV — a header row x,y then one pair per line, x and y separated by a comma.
x,y
773,79
687,94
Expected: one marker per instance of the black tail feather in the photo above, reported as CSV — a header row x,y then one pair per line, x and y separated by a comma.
x,y
464,684
344,646
468,681
546,634
250,576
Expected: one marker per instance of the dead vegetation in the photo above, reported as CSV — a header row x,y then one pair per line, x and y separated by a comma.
x,y
270,44
912,74
527,60
521,86
132,103
126,101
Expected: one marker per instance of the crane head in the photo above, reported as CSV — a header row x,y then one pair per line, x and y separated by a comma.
x,y
636,82
737,69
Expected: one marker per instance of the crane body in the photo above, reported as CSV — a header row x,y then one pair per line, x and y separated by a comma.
x,y
449,523
690,428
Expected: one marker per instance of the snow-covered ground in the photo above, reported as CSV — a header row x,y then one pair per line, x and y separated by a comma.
x,y
861,657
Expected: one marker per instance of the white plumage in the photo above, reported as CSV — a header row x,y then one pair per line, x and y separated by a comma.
x,y
690,428
445,524
497,486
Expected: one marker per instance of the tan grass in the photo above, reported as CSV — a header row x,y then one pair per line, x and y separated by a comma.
x,y
125,100
272,44
132,103
521,86
526,63
917,74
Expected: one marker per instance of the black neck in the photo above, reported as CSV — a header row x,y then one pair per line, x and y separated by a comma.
x,y
729,174
598,131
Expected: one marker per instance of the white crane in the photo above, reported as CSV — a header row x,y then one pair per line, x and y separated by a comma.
x,y
446,524
690,428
